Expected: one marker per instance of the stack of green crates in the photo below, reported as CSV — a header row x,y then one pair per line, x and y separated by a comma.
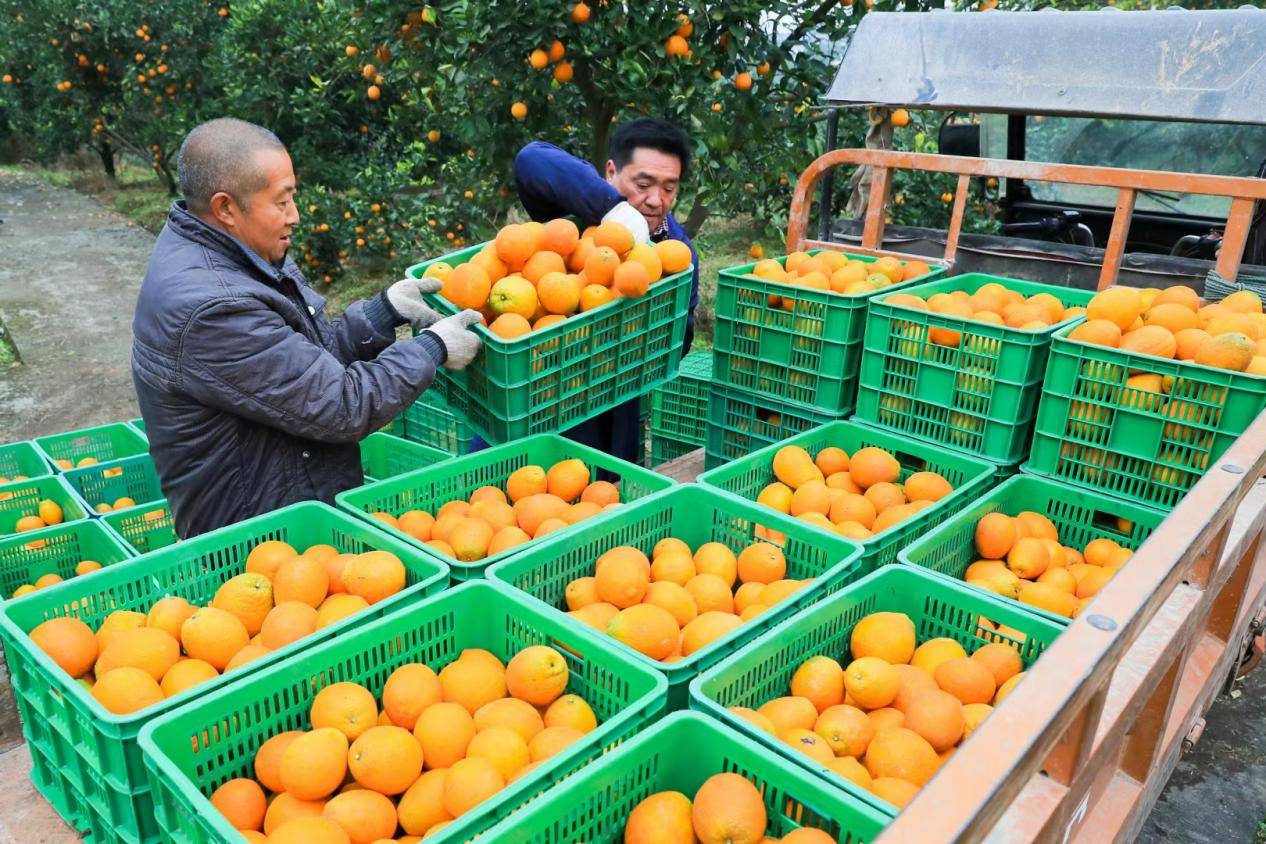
x,y
133,477
679,410
26,557
100,444
22,460
384,456
19,499
433,422
740,423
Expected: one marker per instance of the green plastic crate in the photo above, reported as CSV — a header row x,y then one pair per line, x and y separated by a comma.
x,y
679,409
808,355
1097,432
978,397
383,456
695,515
139,424
22,498
430,421
680,753
192,751
22,458
57,550
105,483
740,423
938,607
1079,516
145,527
102,443
553,379
431,488
101,755
969,477
664,449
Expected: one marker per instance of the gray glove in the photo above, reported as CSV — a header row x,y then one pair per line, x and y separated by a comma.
x,y
460,343
405,299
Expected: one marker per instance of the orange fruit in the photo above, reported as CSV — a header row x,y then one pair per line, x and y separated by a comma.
x,y
498,514
851,507
267,556
914,682
711,594
728,808
472,683
788,713
535,510
514,245
937,716
894,790
185,674
314,764
469,783
385,759
1179,294
973,715
467,286
567,479
778,591
248,596
716,558
887,635
705,629
871,682
809,743
115,623
1002,661
510,713
267,763
995,534
241,801
364,815
661,818
552,741
845,729
966,679
674,255
746,595
672,598
346,707
444,731
374,575
850,769
537,674
1100,332
1119,305
470,539
602,493
645,254
831,460
631,279
886,718
507,538
286,623
807,834
510,326
409,690
335,608
311,829
86,567
168,614
674,566
571,711
622,576
1233,351
69,642
901,753
302,579
581,592
1006,688
931,653
870,465
761,722
926,486
648,629
213,635
125,690
422,805
820,680
525,481
250,653
559,293
600,265
1150,340
1028,558
334,565
594,296
614,236
597,616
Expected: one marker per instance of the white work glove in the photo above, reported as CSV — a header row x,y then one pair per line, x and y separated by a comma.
x,y
631,219
460,343
405,298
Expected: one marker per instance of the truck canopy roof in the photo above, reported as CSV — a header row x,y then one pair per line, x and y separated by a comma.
x,y
1197,66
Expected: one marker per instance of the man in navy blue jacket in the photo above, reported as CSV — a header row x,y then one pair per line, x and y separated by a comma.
x,y
649,158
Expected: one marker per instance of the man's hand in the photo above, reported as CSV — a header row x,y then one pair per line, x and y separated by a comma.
x,y
631,219
405,299
460,343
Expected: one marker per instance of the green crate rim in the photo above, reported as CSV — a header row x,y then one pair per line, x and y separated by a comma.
x,y
350,500
1141,360
980,476
146,463
1011,495
920,582
859,822
25,453
63,597
45,442
986,329
53,488
849,566
744,272
715,435
388,442
102,534
648,706
165,523
138,425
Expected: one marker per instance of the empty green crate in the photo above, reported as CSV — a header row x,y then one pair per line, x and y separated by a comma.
x,y
807,355
430,421
22,458
679,409
145,527
107,767
695,515
22,498
383,456
1079,516
553,379
105,483
664,449
139,424
456,479
195,749
938,607
680,753
969,477
102,443
978,396
740,423
57,550
1096,430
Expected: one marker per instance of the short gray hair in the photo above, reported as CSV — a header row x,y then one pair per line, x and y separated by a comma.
x,y
219,156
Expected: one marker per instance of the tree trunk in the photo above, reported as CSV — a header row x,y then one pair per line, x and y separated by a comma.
x,y
107,157
598,111
878,136
697,216
166,178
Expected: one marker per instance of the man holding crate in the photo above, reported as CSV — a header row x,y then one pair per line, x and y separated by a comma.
x,y
649,158
252,398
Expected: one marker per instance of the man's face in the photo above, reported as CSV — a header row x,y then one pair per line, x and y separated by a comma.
x,y
649,181
265,219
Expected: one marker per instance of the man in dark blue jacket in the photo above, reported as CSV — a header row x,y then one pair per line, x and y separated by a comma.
x,y
252,398
649,159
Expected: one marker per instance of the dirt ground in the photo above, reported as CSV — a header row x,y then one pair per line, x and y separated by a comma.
x,y
69,273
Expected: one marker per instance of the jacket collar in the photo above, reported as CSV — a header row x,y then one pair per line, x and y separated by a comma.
x,y
184,223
